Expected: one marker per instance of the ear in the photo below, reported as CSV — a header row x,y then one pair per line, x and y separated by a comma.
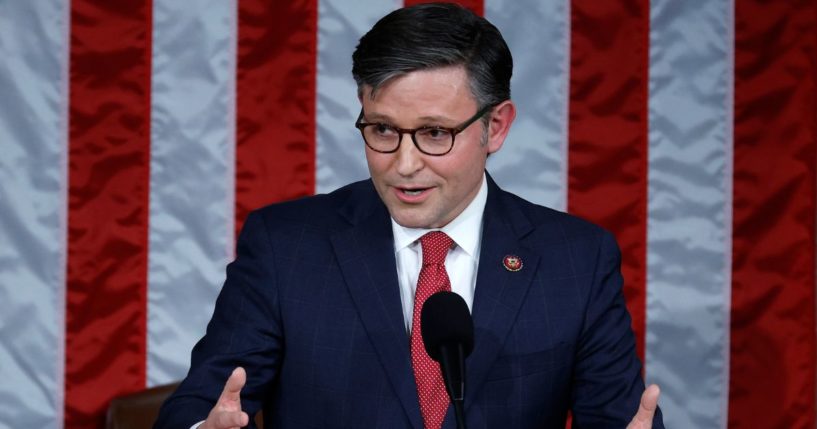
x,y
499,124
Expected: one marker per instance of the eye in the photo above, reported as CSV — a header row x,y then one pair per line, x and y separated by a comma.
x,y
383,130
434,134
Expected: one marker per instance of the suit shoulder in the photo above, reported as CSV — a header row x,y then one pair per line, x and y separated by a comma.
x,y
545,219
321,210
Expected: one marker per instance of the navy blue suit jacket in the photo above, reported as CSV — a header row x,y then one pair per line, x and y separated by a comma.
x,y
311,308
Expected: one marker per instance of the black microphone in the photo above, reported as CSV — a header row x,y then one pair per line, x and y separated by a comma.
x,y
448,336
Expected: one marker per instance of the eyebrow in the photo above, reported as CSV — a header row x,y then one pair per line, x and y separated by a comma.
x,y
387,119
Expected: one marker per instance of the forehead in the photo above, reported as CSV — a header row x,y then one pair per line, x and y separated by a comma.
x,y
440,88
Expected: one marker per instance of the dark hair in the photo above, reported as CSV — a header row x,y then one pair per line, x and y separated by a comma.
x,y
433,35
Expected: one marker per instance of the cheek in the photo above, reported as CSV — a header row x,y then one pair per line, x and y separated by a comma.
x,y
466,168
377,165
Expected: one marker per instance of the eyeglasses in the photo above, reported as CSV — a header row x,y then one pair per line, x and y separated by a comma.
x,y
435,141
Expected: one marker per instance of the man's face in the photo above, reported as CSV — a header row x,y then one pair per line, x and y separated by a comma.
x,y
419,190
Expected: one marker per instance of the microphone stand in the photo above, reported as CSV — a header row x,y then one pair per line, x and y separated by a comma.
x,y
454,383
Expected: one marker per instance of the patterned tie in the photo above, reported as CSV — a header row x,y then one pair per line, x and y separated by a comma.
x,y
433,278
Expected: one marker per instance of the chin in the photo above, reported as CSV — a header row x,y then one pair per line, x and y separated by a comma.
x,y
409,221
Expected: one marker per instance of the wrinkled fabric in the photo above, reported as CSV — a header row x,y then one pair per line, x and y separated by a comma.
x,y
533,161
773,286
689,206
607,153
33,102
340,150
192,170
275,103
108,178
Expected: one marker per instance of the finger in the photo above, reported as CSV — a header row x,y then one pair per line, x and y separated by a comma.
x,y
233,386
646,409
231,419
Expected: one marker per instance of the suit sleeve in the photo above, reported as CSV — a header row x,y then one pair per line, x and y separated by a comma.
x,y
245,330
607,383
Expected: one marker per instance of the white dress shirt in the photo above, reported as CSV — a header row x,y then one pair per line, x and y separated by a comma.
x,y
461,262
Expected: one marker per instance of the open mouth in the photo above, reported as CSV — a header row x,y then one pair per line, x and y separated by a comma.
x,y
413,192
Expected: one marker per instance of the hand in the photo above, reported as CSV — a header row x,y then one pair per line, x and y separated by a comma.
x,y
227,413
646,410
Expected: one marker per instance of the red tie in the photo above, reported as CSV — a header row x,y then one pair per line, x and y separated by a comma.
x,y
433,278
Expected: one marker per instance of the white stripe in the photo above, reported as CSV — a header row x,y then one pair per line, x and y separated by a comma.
x,y
33,187
533,161
191,175
689,205
340,156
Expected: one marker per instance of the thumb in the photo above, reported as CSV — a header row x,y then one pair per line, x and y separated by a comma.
x,y
646,409
232,389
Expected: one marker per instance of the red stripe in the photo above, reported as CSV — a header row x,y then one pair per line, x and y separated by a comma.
x,y
607,153
275,117
476,6
772,364
108,178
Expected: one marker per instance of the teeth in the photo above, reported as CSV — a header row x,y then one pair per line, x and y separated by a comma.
x,y
412,192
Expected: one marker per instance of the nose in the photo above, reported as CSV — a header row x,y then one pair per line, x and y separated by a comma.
x,y
409,159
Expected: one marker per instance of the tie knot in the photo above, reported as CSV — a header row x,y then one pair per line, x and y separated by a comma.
x,y
435,247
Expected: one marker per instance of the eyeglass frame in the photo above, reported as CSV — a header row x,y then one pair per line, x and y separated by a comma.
x,y
413,131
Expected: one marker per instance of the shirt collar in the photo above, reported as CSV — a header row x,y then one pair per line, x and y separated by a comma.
x,y
464,229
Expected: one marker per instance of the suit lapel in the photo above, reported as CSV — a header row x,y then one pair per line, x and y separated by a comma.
x,y
365,253
499,292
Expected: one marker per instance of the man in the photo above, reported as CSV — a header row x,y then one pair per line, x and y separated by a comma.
x,y
317,320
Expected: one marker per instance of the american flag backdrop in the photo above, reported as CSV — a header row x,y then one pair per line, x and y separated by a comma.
x,y
135,135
